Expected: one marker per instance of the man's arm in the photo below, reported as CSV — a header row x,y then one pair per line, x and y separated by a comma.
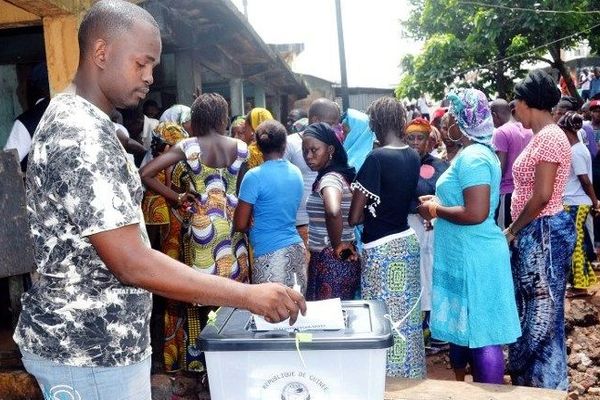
x,y
134,264
130,145
588,188
502,155
242,216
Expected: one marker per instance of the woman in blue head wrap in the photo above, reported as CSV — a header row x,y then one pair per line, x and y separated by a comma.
x,y
359,137
358,144
471,257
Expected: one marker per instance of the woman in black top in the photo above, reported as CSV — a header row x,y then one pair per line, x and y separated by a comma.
x,y
383,191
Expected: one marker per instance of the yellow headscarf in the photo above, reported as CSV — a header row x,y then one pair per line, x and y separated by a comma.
x,y
257,116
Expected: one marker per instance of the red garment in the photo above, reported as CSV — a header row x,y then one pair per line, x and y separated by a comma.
x,y
564,90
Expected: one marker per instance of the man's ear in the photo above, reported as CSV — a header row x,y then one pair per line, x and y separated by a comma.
x,y
100,53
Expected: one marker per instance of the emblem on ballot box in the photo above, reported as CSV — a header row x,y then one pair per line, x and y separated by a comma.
x,y
295,391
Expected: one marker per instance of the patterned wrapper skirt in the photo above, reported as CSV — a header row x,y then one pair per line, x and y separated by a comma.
x,y
281,265
155,209
541,261
391,273
583,275
329,277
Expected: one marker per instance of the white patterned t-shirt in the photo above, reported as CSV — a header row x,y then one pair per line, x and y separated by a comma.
x,y
79,183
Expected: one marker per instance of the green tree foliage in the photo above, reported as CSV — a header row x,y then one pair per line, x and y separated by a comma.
x,y
463,42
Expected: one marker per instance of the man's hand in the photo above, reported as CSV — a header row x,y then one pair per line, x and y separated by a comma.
x,y
275,302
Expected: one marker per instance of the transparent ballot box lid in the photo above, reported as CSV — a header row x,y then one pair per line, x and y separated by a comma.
x,y
234,330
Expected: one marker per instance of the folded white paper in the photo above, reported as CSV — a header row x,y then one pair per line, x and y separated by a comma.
x,y
320,315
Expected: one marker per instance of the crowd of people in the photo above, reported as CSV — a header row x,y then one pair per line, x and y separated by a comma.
x,y
586,81
429,217
469,223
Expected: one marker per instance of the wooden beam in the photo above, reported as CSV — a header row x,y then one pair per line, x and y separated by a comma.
x,y
15,17
214,59
252,70
62,50
45,8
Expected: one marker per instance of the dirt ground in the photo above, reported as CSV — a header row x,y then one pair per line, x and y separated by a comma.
x,y
583,345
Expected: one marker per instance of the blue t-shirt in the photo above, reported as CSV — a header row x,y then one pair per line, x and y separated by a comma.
x,y
275,189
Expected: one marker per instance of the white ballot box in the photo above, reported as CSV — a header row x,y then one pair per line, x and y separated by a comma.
x,y
348,363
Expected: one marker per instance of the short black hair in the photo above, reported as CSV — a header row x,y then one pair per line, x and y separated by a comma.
x,y
387,114
297,114
568,103
324,110
209,111
108,19
271,137
501,107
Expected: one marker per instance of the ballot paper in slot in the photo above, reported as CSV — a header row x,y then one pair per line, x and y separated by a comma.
x,y
320,315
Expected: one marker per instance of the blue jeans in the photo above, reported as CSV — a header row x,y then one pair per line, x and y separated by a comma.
x,y
65,382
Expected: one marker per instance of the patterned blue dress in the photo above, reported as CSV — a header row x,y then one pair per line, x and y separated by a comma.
x,y
541,263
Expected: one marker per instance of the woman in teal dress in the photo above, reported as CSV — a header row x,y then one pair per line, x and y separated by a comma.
x,y
473,302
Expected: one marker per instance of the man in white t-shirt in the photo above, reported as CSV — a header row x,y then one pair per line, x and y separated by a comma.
x,y
25,124
579,199
423,106
584,81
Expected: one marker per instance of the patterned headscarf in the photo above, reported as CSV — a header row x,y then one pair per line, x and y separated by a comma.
x,y
300,125
178,113
418,125
471,110
259,115
238,121
166,133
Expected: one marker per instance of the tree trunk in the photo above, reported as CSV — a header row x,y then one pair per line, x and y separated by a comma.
x,y
562,69
502,86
